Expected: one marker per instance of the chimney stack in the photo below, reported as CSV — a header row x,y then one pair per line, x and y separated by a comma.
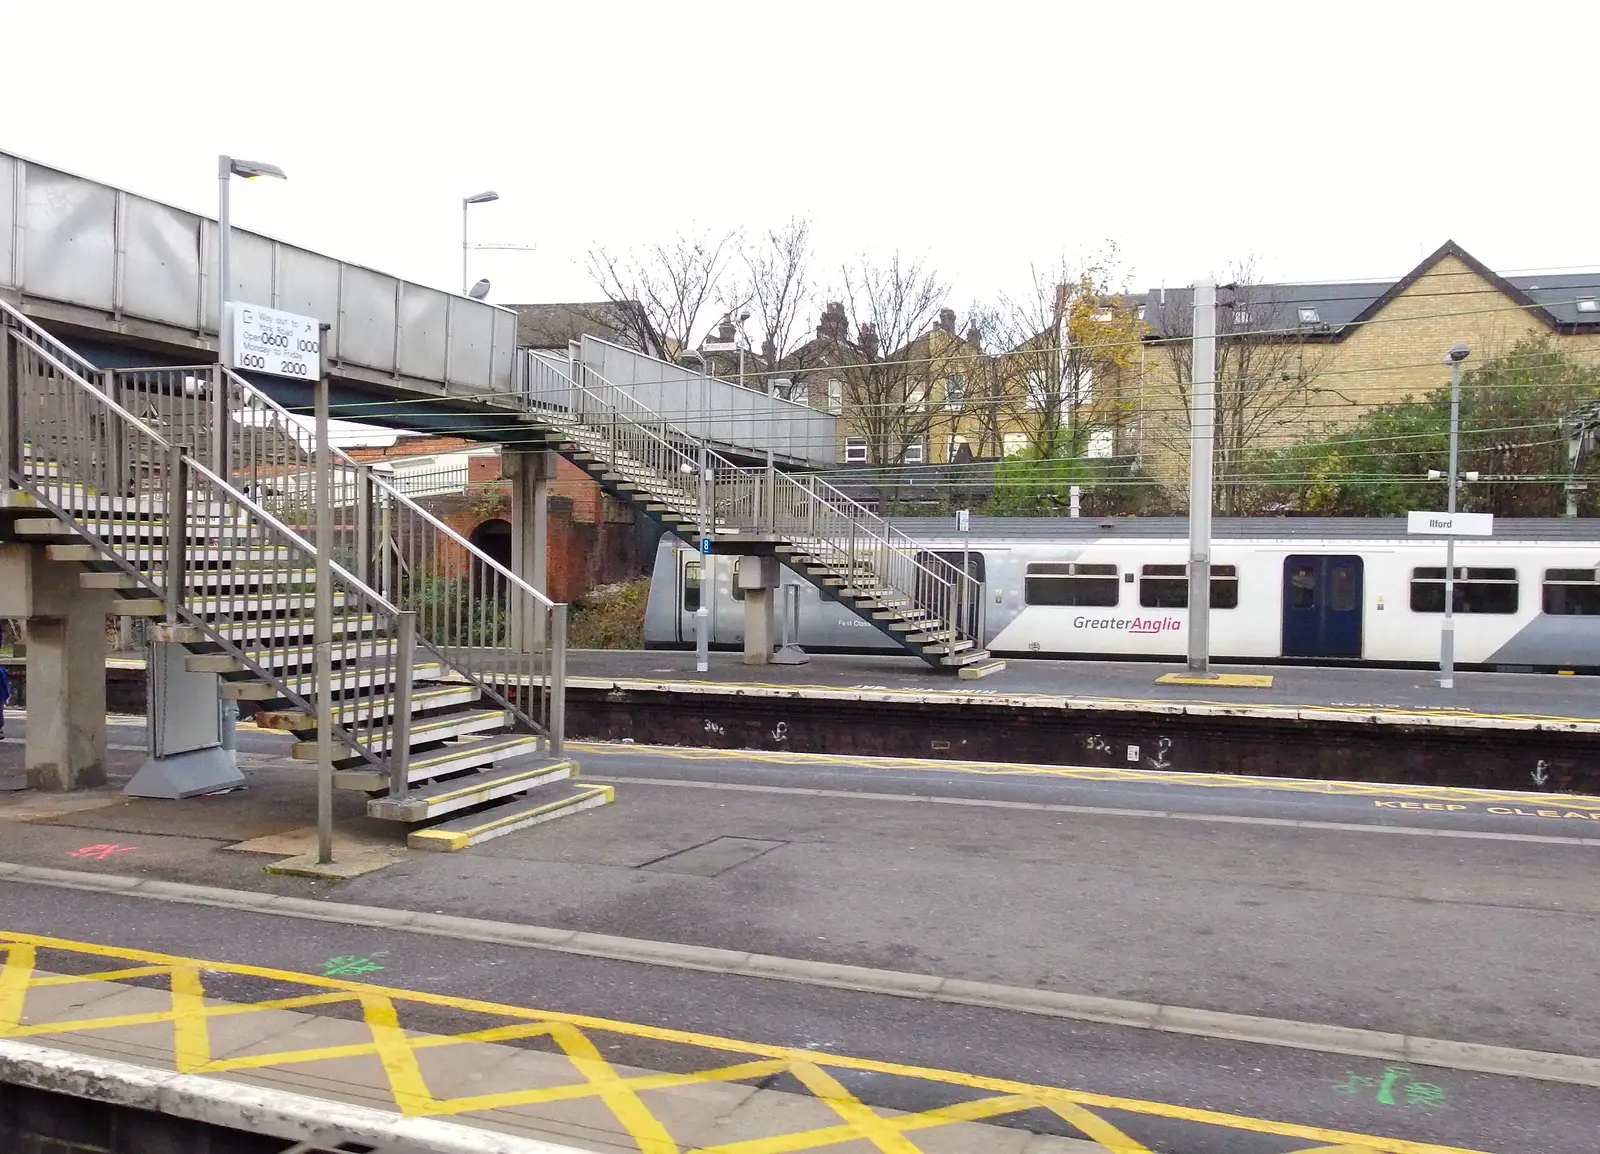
x,y
869,342
947,320
975,337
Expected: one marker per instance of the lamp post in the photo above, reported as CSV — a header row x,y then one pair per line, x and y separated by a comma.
x,y
466,203
1447,628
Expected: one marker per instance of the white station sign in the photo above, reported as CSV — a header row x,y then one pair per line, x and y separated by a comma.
x,y
1450,524
268,341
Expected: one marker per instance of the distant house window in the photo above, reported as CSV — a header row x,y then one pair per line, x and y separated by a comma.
x,y
1241,316
1310,317
1141,312
914,455
955,390
1589,305
855,452
836,397
1014,443
783,388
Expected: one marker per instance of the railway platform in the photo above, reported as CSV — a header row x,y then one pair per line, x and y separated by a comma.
x,y
1495,730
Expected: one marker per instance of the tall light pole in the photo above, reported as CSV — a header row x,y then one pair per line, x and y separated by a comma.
x,y
1447,628
466,203
1202,434
228,167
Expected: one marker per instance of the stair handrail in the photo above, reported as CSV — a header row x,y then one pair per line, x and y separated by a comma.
x,y
66,350
533,645
308,442
185,463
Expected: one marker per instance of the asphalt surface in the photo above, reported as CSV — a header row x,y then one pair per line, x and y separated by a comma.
x,y
1497,694
1478,1112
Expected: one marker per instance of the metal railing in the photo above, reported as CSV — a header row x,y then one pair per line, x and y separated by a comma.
x,y
646,450
222,529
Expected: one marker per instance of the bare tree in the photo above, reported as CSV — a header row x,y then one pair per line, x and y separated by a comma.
x,y
1069,335
888,382
777,286
674,283
1266,378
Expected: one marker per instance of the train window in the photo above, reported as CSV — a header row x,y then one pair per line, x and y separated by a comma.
x,y
691,586
1343,592
1476,590
1571,592
1303,587
1052,583
1167,587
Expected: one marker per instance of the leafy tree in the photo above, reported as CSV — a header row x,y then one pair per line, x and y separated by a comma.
x,y
1512,408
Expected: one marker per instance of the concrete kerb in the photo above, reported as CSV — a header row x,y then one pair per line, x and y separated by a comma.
x,y
253,1108
1576,1069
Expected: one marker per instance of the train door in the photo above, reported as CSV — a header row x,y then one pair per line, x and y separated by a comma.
x,y
1321,606
972,615
689,593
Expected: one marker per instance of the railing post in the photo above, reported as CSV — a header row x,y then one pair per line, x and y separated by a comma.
x,y
405,655
366,500
322,626
221,422
557,733
111,438
177,551
10,406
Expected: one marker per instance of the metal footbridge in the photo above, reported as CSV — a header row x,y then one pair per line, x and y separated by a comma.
x,y
186,490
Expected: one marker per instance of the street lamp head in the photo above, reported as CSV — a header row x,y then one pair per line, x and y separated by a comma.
x,y
480,198
250,169
480,290
1459,353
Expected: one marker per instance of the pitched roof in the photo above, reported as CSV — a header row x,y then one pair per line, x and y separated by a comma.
x,y
1332,311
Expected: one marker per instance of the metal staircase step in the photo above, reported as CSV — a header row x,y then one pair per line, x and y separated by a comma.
x,y
287,656
138,607
423,699
457,793
419,732
144,554
972,666
473,753
511,816
290,627
305,684
228,578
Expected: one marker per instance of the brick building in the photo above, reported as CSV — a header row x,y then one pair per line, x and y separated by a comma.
x,y
1296,359
593,538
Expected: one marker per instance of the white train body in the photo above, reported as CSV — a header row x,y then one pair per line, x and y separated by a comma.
x,y
1340,591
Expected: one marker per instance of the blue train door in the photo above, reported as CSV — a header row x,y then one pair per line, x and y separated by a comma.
x,y
1321,606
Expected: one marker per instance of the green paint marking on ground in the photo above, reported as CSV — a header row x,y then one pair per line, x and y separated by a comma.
x,y
1395,1087
352,966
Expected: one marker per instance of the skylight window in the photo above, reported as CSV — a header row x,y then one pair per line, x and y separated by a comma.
x,y
1589,305
1310,317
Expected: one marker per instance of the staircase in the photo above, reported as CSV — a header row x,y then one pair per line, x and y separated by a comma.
x,y
920,599
190,495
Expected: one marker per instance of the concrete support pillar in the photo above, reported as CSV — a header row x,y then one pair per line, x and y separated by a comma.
x,y
758,578
66,668
530,475
66,743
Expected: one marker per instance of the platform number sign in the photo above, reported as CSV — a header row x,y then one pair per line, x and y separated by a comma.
x,y
705,546
282,344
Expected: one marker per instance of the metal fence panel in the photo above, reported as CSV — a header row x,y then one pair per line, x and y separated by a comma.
x,y
366,317
308,284
10,191
424,324
71,238
162,263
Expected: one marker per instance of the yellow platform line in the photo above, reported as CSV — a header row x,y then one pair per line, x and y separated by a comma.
x,y
620,1094
1221,680
1101,773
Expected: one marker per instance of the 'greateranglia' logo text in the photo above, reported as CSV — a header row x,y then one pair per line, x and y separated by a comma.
x,y
1148,626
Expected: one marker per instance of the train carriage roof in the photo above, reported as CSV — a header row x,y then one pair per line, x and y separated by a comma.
x,y
1563,529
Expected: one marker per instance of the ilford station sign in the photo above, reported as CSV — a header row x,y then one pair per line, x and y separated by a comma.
x,y
1450,524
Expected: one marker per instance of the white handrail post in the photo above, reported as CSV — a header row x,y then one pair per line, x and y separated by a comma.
x,y
322,628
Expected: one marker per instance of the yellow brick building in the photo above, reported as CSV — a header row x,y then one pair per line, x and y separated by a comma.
x,y
1294,359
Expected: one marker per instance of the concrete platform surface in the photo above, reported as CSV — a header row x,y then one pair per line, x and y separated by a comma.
x,y
1353,690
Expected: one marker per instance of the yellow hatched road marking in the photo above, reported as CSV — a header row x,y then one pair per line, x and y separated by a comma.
x,y
397,1055
1101,773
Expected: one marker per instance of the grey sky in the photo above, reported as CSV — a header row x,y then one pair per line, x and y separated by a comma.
x,y
1329,140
